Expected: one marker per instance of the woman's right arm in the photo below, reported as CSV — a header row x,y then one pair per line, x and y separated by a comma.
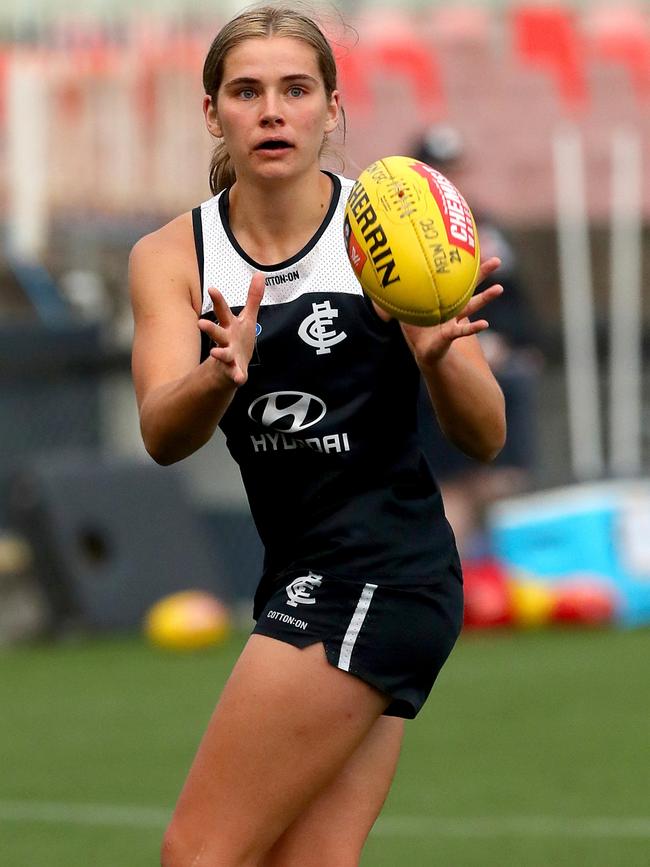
x,y
181,400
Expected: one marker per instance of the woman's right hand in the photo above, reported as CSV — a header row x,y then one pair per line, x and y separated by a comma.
x,y
234,336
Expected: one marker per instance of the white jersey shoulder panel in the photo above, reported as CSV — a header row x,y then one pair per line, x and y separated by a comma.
x,y
322,266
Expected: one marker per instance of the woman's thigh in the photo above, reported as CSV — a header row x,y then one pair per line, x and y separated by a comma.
x,y
332,830
286,723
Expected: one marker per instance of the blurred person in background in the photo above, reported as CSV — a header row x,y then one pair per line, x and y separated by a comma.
x,y
512,349
360,601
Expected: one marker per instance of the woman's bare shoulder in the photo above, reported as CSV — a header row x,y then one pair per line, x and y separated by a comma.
x,y
167,255
175,238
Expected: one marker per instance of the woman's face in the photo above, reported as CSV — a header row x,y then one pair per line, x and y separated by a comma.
x,y
272,109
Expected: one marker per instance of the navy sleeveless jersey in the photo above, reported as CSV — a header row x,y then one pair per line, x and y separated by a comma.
x,y
325,429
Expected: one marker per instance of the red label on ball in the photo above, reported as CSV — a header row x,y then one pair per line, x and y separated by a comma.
x,y
453,207
355,254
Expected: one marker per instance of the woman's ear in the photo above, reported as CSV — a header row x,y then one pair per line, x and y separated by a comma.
x,y
211,116
333,112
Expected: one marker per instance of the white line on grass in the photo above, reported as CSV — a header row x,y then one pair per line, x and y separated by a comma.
x,y
84,814
387,826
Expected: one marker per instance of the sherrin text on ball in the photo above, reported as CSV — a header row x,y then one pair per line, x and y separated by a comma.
x,y
412,241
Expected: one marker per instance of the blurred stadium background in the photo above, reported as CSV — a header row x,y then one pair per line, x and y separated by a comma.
x,y
533,747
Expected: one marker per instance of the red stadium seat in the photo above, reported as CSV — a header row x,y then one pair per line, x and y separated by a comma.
x,y
414,62
546,36
389,47
395,48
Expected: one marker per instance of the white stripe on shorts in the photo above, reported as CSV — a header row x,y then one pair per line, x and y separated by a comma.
x,y
355,626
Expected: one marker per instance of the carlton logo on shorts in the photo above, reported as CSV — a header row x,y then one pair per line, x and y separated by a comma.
x,y
287,411
300,589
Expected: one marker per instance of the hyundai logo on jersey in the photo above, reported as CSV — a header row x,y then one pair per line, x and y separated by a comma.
x,y
287,411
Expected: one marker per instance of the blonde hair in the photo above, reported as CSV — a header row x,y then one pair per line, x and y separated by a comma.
x,y
260,23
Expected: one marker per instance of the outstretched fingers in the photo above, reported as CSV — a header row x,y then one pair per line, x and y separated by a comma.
x,y
234,335
487,267
478,301
213,330
255,295
462,327
222,312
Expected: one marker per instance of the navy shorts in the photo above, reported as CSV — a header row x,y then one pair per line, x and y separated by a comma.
x,y
393,638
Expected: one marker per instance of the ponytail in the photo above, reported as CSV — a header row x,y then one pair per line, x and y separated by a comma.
x,y
222,172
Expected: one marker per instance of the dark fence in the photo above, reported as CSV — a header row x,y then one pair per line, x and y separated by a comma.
x,y
109,534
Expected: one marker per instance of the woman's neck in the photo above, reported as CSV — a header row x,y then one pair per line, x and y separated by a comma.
x,y
274,222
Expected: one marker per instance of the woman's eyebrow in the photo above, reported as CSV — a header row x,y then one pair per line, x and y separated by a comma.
x,y
300,76
244,79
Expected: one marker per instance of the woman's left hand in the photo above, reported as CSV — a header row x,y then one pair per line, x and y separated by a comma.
x,y
431,342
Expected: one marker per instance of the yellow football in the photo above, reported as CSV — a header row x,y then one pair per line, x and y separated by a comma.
x,y
412,241
188,620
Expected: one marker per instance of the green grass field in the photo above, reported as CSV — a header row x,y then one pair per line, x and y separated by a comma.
x,y
532,751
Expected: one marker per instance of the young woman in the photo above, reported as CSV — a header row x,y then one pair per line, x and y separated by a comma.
x,y
249,317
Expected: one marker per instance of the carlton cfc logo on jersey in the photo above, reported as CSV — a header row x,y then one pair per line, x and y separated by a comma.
x,y
316,329
287,411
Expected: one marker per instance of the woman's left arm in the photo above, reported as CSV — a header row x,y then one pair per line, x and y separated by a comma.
x,y
466,397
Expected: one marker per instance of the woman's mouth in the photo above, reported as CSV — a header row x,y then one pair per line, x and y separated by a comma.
x,y
273,145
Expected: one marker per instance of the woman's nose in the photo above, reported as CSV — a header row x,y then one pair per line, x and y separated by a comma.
x,y
271,111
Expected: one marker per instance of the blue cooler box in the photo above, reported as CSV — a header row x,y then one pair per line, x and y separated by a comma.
x,y
597,531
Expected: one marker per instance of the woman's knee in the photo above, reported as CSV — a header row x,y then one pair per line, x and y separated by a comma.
x,y
176,850
171,849
182,848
